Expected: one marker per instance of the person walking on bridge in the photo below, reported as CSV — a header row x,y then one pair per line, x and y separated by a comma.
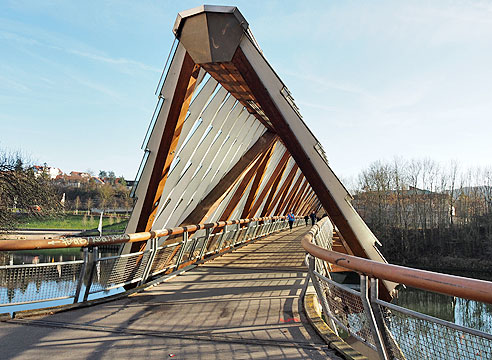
x,y
290,218
313,218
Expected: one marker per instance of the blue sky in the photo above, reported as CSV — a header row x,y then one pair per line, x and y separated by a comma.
x,y
374,80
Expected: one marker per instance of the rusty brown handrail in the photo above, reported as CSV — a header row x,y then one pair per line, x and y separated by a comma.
x,y
463,287
70,242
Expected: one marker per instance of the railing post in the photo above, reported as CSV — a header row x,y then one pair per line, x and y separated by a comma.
x,y
193,247
262,229
92,264
378,315
182,250
321,295
154,244
81,276
252,230
205,243
376,331
270,224
245,234
221,240
236,236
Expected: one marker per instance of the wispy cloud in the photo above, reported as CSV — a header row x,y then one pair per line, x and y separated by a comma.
x,y
12,84
27,37
114,61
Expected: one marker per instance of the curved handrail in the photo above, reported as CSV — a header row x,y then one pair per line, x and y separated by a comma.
x,y
70,242
463,287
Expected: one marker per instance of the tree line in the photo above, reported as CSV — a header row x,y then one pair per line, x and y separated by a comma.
x,y
110,195
422,211
25,193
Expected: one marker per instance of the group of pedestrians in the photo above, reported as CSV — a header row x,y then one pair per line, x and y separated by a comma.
x,y
291,218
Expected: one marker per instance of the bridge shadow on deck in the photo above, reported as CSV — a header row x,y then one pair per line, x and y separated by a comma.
x,y
242,305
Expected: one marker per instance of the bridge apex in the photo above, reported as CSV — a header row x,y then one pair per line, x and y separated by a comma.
x,y
210,33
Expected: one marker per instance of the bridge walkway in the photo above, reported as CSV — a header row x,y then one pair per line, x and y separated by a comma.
x,y
242,305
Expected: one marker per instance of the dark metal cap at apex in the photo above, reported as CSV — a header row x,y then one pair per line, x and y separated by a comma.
x,y
210,33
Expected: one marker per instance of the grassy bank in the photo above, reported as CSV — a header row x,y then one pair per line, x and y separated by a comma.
x,y
76,222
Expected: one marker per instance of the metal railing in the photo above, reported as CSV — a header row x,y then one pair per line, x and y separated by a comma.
x,y
394,332
31,283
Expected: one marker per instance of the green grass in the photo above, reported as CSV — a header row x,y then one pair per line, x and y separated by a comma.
x,y
116,228
73,222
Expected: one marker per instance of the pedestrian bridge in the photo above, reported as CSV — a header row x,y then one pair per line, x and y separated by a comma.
x,y
208,267
241,305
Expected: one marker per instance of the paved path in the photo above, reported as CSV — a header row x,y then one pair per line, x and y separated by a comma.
x,y
243,305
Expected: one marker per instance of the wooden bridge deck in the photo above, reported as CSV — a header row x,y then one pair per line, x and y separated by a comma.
x,y
242,305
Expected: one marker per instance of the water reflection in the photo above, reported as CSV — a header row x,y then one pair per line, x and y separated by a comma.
x,y
55,274
469,313
50,255
422,339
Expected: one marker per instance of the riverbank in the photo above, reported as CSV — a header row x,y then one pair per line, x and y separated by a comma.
x,y
473,268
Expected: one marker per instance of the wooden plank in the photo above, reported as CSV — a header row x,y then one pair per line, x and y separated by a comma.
x,y
272,185
282,192
262,96
174,144
260,174
308,203
305,202
298,199
240,191
229,180
287,207
184,91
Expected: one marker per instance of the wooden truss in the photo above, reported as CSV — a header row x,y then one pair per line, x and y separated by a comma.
x,y
228,141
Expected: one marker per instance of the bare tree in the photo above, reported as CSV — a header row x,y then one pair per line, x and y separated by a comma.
x,y
21,190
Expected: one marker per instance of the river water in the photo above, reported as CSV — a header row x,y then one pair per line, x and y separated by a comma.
x,y
469,313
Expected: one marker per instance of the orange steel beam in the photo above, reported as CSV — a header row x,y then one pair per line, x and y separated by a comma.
x,y
272,185
478,290
260,174
177,112
283,189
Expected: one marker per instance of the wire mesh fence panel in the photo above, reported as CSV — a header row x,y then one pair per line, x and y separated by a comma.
x,y
423,339
164,259
228,238
251,231
255,230
348,308
20,284
239,236
117,271
188,248
213,242
200,243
